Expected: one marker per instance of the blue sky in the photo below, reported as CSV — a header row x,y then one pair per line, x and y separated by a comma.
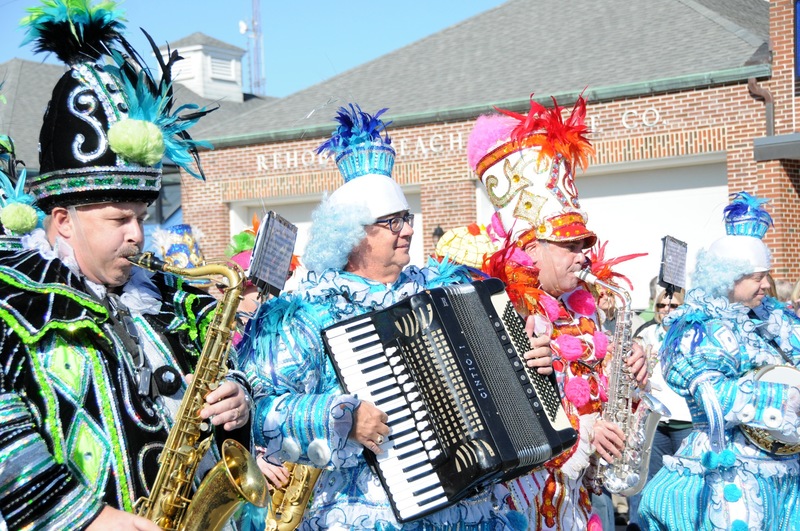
x,y
305,41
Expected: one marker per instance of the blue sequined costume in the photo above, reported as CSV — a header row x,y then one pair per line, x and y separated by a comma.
x,y
302,416
718,479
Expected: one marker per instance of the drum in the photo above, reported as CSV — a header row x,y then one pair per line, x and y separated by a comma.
x,y
774,441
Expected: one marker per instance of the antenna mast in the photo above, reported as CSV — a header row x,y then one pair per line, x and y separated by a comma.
x,y
256,59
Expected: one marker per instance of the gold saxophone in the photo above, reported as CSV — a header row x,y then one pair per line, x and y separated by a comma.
x,y
289,503
236,478
626,475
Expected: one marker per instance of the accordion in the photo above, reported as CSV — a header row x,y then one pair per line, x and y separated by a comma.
x,y
446,365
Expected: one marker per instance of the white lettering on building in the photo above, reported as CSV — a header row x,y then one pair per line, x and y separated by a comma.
x,y
648,118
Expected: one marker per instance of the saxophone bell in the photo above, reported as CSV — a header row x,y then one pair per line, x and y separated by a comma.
x,y
215,501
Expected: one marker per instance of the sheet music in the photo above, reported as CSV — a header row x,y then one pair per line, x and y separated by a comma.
x,y
673,263
272,253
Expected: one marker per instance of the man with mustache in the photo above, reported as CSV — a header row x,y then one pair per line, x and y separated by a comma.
x,y
357,256
94,351
527,164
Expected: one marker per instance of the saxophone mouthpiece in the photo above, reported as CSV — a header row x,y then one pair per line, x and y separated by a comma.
x,y
587,276
148,261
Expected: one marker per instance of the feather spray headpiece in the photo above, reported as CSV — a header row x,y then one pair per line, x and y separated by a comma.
x,y
74,30
547,129
18,213
358,145
745,216
602,267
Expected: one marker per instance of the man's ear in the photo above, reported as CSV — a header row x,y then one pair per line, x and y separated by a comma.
x,y
61,222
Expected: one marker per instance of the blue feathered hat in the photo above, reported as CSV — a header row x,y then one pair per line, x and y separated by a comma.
x,y
109,123
745,216
740,252
365,158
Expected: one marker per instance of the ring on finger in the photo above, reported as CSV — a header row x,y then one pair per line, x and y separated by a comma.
x,y
379,440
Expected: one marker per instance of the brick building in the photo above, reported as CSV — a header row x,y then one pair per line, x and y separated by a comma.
x,y
688,100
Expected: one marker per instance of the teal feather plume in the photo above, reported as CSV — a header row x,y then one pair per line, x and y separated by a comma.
x,y
75,30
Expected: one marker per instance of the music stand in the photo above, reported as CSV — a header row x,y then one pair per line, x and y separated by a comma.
x,y
672,274
272,254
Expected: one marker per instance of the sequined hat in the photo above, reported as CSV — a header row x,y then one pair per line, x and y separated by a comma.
x,y
109,124
365,158
469,245
746,223
526,163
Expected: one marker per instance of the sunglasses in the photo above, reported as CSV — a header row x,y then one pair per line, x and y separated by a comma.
x,y
661,305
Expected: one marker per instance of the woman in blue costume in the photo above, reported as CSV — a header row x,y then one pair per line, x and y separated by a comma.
x,y
726,330
357,257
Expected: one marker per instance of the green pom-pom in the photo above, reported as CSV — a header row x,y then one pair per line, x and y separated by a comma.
x,y
137,141
19,218
244,241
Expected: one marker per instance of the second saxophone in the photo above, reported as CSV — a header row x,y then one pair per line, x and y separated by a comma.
x,y
626,475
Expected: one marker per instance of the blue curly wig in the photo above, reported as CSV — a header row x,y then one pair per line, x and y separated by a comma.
x,y
717,275
336,229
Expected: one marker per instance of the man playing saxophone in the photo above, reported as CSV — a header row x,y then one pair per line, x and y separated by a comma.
x,y
526,163
93,351
357,256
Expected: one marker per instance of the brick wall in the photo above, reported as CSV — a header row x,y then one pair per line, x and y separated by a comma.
x,y
433,157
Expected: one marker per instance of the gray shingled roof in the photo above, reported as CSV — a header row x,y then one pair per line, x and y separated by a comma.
x,y
27,88
549,47
201,39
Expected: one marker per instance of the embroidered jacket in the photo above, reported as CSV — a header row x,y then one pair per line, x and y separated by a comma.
x,y
74,432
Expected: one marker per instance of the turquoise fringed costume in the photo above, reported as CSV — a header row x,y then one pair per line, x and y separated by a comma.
x,y
74,432
302,416
726,330
718,479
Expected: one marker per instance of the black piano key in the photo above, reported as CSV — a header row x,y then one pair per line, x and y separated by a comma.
x,y
425,490
431,499
397,410
370,358
357,326
395,436
415,466
419,476
375,367
402,445
388,377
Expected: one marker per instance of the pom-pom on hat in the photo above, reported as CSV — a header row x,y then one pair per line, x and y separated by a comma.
x,y
526,163
240,248
18,213
107,126
365,158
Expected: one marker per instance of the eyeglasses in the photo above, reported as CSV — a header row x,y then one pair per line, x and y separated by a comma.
x,y
661,305
396,224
